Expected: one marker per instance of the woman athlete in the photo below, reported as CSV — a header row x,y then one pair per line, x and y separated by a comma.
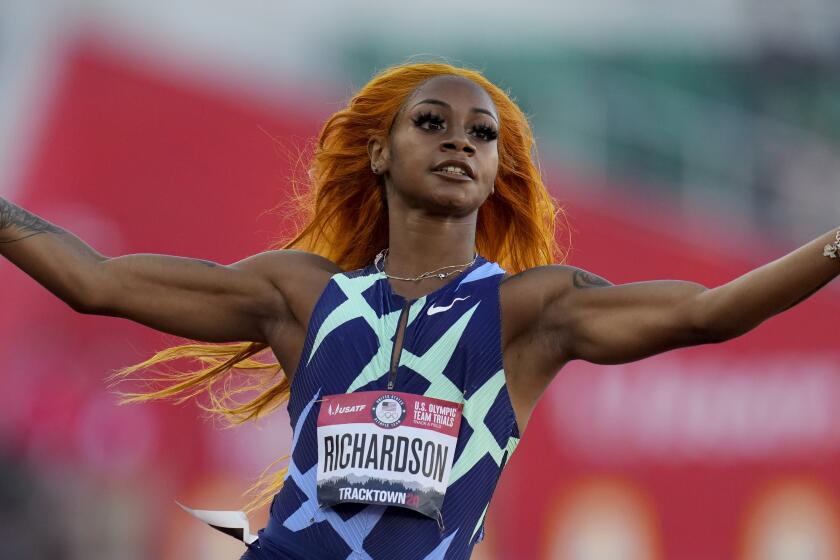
x,y
413,360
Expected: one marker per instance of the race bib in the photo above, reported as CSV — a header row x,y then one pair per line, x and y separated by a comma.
x,y
386,448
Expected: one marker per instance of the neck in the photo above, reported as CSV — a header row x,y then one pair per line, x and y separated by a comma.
x,y
419,242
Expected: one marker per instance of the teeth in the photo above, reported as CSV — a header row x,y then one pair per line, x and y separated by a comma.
x,y
454,170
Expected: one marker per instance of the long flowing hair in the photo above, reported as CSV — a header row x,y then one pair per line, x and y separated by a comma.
x,y
345,220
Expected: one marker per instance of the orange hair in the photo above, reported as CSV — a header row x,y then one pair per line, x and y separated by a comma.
x,y
347,222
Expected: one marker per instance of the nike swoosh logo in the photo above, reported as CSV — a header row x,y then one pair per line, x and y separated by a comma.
x,y
432,310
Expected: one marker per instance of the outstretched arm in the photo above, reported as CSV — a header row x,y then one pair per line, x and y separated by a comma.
x,y
193,298
598,322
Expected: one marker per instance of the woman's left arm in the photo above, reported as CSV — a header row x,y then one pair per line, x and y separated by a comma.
x,y
595,321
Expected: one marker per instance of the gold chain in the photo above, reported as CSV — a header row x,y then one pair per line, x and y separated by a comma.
x,y
382,256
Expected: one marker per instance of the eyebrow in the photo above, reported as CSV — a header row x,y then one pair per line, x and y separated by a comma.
x,y
445,104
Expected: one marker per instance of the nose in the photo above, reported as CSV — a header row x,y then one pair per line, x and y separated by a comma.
x,y
457,142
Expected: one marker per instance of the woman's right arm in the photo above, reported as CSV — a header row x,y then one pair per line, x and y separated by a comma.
x,y
192,298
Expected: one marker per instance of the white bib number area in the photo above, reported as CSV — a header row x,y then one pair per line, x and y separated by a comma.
x,y
386,448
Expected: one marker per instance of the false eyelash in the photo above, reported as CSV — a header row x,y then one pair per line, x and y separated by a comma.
x,y
482,131
428,117
485,132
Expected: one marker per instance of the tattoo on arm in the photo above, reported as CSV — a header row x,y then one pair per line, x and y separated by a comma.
x,y
582,279
28,223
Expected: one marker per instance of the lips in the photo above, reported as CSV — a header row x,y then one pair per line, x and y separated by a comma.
x,y
455,168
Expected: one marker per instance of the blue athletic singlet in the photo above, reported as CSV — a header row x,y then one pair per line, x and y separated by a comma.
x,y
451,350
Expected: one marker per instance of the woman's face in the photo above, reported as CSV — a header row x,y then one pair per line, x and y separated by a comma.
x,y
441,154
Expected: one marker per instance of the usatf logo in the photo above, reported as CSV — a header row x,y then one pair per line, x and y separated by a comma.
x,y
338,409
388,411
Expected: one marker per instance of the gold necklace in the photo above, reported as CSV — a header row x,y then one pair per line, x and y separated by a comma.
x,y
383,254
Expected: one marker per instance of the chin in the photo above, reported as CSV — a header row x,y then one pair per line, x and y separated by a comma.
x,y
457,205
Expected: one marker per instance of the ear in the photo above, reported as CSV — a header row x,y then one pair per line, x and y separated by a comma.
x,y
379,156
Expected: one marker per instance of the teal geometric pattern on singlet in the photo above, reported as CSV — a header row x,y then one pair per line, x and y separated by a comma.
x,y
455,355
429,365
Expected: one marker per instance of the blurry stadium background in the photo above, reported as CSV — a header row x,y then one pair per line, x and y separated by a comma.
x,y
685,140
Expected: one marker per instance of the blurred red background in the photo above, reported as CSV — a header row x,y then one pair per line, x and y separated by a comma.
x,y
716,452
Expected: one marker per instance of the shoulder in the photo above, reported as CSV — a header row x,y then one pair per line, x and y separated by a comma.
x,y
524,295
527,295
539,282
287,262
548,280
299,276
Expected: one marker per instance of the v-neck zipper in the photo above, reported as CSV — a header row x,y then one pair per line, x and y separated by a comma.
x,y
399,334
399,339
